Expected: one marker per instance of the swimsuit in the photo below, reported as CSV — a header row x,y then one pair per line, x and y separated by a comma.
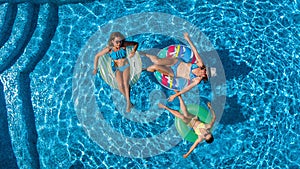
x,y
200,125
120,54
122,68
175,66
192,75
195,66
193,121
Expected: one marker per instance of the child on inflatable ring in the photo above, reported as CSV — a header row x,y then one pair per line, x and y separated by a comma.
x,y
200,128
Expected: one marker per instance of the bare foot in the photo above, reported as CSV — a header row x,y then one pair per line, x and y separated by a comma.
x,y
171,98
185,156
161,106
209,105
128,109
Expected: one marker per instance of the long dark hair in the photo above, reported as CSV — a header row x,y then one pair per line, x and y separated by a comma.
x,y
210,140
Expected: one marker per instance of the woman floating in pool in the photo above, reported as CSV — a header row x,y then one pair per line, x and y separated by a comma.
x,y
176,67
117,51
201,129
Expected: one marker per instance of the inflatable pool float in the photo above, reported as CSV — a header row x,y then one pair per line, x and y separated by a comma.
x,y
175,51
185,131
108,75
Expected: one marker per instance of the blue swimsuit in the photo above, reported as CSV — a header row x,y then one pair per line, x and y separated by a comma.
x,y
120,54
192,75
175,66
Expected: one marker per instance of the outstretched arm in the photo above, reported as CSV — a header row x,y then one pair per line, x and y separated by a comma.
x,y
198,58
97,56
131,43
193,147
213,114
196,81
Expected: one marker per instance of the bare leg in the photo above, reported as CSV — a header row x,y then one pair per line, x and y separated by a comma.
x,y
161,61
161,69
174,112
119,79
126,77
183,107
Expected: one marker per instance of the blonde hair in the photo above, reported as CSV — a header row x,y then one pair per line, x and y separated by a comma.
x,y
113,36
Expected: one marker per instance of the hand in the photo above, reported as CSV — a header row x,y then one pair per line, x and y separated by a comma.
x,y
161,106
209,105
132,53
172,97
186,36
95,71
185,156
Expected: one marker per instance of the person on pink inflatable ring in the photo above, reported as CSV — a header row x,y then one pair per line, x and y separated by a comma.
x,y
175,67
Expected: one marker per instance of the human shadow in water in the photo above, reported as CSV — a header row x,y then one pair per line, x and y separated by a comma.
x,y
232,112
231,67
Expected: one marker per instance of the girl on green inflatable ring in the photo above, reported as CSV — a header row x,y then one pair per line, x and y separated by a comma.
x,y
200,128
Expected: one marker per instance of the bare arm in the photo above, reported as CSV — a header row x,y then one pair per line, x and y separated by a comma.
x,y
131,43
196,81
198,58
97,56
213,114
193,147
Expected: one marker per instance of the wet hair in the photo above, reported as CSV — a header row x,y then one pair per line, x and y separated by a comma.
x,y
113,36
210,140
205,78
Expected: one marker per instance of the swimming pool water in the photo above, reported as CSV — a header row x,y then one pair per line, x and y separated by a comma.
x,y
257,42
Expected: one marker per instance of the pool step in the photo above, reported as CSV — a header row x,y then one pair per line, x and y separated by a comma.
x,y
7,156
42,43
22,31
18,90
27,63
7,25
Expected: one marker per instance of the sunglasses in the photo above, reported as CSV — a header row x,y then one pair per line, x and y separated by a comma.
x,y
119,41
203,67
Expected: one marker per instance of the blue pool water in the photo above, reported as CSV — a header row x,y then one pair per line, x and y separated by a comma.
x,y
257,42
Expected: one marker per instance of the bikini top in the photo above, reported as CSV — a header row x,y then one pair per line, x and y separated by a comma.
x,y
192,75
200,125
195,66
120,54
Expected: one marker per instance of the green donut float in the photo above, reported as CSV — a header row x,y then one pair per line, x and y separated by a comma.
x,y
185,131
